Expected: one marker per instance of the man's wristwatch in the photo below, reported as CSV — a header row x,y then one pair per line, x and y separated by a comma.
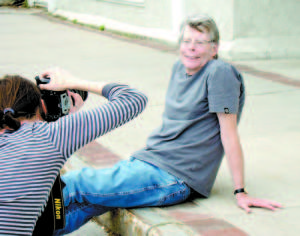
x,y
240,190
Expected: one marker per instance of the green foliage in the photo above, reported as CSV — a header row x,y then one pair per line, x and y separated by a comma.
x,y
101,27
25,4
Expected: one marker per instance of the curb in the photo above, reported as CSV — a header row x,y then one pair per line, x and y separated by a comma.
x,y
176,221
179,220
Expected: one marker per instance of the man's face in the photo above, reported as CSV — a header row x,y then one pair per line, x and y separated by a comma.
x,y
196,50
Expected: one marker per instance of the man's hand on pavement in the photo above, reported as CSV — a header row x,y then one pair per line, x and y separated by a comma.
x,y
244,201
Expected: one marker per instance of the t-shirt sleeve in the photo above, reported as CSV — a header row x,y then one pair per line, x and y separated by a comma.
x,y
224,89
73,131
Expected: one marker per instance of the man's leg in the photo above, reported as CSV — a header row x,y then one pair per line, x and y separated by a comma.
x,y
77,214
133,183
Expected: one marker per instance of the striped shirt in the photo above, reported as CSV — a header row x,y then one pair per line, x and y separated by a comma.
x,y
31,157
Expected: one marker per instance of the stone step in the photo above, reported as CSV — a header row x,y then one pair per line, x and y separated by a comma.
x,y
91,228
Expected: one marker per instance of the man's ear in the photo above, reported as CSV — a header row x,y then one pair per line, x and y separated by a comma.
x,y
215,49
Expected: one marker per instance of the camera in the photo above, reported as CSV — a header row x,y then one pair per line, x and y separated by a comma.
x,y
57,103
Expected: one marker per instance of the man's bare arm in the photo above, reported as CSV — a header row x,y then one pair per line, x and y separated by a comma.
x,y
233,151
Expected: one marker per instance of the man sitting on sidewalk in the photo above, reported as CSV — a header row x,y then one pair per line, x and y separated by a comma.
x,y
203,106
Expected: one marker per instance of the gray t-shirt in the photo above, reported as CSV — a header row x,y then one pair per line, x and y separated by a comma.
x,y
188,143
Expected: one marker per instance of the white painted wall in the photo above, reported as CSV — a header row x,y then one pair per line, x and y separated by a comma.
x,y
33,3
152,13
266,18
6,2
252,29
249,29
221,10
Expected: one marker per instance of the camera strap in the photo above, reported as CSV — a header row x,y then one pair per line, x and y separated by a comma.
x,y
53,216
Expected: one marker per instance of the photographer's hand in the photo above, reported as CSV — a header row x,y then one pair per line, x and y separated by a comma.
x,y
77,102
62,80
59,79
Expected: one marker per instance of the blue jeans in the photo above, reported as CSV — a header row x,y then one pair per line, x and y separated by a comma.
x,y
132,183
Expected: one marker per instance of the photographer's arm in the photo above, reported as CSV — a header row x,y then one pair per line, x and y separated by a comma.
x,y
71,132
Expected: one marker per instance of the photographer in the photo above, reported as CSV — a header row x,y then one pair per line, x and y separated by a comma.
x,y
32,151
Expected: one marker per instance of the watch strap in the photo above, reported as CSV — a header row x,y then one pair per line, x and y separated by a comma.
x,y
240,190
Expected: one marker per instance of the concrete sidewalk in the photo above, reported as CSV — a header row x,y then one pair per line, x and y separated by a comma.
x,y
269,128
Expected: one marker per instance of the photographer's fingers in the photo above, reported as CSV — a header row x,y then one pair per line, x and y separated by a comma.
x,y
50,76
50,73
47,73
57,79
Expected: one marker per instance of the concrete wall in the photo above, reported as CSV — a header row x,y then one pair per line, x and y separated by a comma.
x,y
6,2
265,29
249,29
221,10
267,18
152,13
42,3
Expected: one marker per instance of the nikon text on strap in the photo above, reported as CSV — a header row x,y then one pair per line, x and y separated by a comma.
x,y
53,217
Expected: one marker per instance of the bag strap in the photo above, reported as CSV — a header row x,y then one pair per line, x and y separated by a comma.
x,y
53,216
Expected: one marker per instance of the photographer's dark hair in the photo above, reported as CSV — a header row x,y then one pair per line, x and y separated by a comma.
x,y
19,98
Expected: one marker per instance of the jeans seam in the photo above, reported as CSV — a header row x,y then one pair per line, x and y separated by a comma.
x,y
152,187
79,207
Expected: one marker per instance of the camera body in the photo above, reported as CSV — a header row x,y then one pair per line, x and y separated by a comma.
x,y
57,103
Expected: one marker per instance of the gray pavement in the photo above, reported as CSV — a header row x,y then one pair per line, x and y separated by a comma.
x,y
269,129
